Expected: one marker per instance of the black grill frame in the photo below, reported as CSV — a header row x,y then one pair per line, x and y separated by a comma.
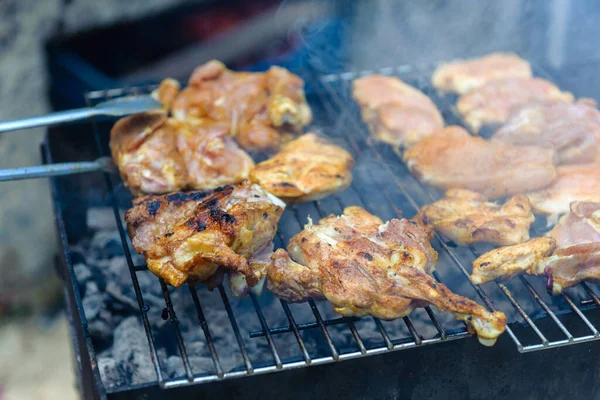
x,y
335,104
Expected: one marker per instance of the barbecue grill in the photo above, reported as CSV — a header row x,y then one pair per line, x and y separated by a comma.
x,y
324,354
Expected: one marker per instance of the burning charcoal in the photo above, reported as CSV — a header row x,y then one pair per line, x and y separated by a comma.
x,y
175,369
101,219
102,326
92,303
82,272
110,371
130,350
107,243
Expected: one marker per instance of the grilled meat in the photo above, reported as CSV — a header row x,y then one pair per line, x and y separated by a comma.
x,y
572,130
574,183
580,225
261,109
467,217
188,236
461,76
166,92
509,261
308,168
365,267
452,158
492,102
396,112
568,266
578,256
568,255
156,154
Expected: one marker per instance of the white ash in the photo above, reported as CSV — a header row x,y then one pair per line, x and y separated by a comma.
x,y
115,325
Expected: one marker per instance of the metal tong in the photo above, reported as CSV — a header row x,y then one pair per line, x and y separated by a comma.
x,y
116,108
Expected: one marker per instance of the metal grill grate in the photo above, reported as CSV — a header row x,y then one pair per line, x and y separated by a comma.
x,y
339,88
384,187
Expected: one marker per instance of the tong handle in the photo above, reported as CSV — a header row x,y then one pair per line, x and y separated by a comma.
x,y
103,164
56,118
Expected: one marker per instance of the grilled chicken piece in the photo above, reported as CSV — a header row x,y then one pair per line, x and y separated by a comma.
x,y
261,109
461,76
578,257
396,112
569,255
492,102
574,183
156,154
365,267
580,225
452,158
467,217
572,130
188,236
308,168
166,92
509,261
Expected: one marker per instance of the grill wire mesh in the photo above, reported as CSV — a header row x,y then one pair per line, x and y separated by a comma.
x,y
383,186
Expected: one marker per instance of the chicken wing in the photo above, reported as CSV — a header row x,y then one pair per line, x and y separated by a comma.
x,y
365,267
467,217
574,183
308,168
261,109
156,154
462,76
188,236
452,158
509,261
568,255
572,130
396,112
492,102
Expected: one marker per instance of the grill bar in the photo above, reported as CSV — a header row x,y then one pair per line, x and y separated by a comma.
x,y
302,327
207,335
265,327
294,328
334,353
175,323
236,330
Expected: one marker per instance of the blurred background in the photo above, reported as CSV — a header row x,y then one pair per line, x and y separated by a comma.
x,y
53,51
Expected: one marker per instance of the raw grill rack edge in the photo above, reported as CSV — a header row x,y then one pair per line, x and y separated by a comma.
x,y
349,131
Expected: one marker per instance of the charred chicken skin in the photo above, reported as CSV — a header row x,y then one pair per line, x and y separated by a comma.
x,y
193,236
462,76
492,102
366,267
467,217
453,159
568,255
396,112
572,130
157,154
308,168
262,110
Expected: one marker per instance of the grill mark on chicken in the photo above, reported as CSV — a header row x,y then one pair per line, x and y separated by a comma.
x,y
196,236
153,207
